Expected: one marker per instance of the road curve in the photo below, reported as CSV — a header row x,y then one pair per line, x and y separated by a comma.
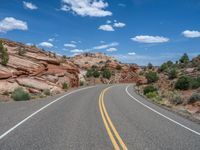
x,y
103,117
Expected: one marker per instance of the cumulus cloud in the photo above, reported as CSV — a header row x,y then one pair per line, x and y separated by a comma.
x,y
191,34
106,27
92,8
119,25
51,39
105,46
112,49
10,23
77,51
29,5
150,39
46,44
69,45
132,53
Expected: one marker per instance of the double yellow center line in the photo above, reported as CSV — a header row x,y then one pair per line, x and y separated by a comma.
x,y
110,128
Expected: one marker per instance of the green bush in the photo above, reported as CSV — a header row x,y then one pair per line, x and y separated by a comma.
x,y
89,73
106,74
150,66
20,95
151,77
65,86
163,67
184,59
194,98
176,99
172,74
96,74
183,83
47,92
149,89
4,57
195,83
152,95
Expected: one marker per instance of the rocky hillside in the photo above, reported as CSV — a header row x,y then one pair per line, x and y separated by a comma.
x,y
41,73
175,85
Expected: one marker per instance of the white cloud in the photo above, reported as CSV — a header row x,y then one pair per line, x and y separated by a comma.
x,y
119,25
150,39
106,27
74,42
77,51
46,44
92,8
121,5
112,49
132,53
108,21
10,23
191,34
69,45
51,39
104,46
29,5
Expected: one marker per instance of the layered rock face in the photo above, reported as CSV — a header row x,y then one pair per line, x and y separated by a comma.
x,y
35,69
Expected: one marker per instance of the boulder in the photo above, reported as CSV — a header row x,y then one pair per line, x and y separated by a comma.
x,y
6,86
33,83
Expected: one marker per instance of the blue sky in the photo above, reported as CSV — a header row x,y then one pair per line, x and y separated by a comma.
x,y
134,31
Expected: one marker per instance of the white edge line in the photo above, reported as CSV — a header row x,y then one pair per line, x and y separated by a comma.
x,y
160,113
33,114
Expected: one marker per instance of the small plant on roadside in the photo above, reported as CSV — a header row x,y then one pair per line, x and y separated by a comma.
x,y
89,73
20,95
65,86
47,92
175,99
148,89
96,74
194,98
81,83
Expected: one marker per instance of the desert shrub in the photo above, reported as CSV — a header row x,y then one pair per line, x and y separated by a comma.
x,y
150,66
81,83
65,86
195,83
21,51
172,74
151,95
64,56
20,95
194,98
118,67
106,74
89,73
183,83
198,68
47,92
176,99
151,77
6,93
149,89
96,74
163,67
184,59
4,57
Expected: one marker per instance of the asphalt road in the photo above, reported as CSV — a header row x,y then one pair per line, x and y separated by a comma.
x,y
103,117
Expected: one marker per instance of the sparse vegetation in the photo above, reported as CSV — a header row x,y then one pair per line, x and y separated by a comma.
x,y
47,92
172,74
21,51
175,99
106,74
3,54
183,83
151,77
20,95
148,89
194,98
65,86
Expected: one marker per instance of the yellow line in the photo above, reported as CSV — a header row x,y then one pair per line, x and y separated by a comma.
x,y
124,147
116,147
